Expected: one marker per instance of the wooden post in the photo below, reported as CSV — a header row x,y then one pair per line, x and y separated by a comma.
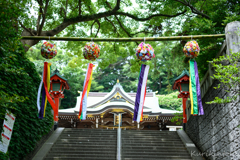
x,y
56,113
184,100
232,33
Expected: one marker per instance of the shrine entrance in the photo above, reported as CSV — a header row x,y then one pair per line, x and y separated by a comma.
x,y
107,109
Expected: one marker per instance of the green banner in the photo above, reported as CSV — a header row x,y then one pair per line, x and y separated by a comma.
x,y
194,90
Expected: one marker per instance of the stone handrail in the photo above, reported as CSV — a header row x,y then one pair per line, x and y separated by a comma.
x,y
207,81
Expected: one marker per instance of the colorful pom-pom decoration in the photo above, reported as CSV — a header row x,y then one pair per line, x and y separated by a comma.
x,y
91,51
48,50
191,49
145,52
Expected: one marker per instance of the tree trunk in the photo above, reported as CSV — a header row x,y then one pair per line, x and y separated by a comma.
x,y
28,43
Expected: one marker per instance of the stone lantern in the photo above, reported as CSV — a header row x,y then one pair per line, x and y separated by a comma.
x,y
57,86
182,84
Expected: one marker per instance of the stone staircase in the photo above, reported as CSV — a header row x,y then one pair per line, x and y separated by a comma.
x,y
84,144
152,145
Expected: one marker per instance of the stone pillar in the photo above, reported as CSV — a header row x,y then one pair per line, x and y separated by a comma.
x,y
96,122
232,32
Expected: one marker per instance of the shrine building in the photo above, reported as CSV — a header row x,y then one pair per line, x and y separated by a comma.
x,y
104,109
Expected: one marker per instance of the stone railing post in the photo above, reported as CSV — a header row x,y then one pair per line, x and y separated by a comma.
x,y
232,32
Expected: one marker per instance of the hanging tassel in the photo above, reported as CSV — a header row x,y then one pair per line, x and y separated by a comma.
x,y
141,93
43,92
39,93
48,85
199,98
83,104
137,100
55,109
193,88
190,91
42,103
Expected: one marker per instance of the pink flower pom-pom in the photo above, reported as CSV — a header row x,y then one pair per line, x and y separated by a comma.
x,y
191,49
145,52
48,50
91,51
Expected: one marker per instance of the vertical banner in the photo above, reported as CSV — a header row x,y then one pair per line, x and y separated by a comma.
x,y
193,86
141,93
86,88
7,131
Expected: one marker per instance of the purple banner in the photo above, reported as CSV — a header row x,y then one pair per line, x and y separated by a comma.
x,y
199,98
137,101
43,103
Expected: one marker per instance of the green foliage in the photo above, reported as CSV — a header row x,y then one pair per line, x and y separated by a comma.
x,y
81,19
19,83
227,73
170,101
178,118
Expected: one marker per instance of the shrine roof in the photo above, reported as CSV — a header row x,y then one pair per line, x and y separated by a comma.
x,y
184,72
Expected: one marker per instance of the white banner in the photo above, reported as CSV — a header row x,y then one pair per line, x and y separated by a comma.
x,y
7,131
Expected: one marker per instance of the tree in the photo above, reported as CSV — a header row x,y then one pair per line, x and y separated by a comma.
x,y
19,83
126,18
227,73
170,101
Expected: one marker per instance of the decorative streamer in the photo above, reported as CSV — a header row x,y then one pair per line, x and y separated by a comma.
x,y
43,103
84,106
137,100
199,98
190,91
83,103
193,84
47,93
48,85
39,93
191,50
43,91
141,93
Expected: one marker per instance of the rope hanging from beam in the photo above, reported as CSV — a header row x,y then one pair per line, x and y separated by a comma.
x,y
172,38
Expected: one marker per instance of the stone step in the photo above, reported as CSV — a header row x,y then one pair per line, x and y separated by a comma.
x,y
126,143
152,148
89,138
76,141
159,153
152,139
92,132
83,154
150,157
113,155
87,134
84,146
80,148
148,134
163,158
79,158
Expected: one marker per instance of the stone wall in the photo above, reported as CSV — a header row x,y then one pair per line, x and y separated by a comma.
x,y
216,132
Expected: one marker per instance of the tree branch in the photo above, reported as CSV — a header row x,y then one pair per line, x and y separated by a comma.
x,y
143,31
193,9
117,7
39,14
29,30
66,8
43,18
80,7
99,25
150,17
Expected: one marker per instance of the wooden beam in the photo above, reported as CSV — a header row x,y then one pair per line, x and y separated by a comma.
x,y
172,38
